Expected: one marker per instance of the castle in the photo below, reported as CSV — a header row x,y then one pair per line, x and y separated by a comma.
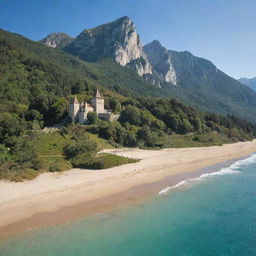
x,y
78,111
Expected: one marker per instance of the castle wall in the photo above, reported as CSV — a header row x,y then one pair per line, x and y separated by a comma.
x,y
109,117
73,110
82,116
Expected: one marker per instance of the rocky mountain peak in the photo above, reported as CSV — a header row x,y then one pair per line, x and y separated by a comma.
x,y
161,60
118,40
57,40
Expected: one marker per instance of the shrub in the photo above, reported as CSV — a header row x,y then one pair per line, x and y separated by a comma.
x,y
59,166
101,161
82,160
92,118
79,147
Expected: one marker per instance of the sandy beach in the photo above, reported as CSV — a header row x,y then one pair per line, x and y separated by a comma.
x,y
54,198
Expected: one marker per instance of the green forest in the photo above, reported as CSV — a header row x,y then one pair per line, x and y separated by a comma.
x,y
36,84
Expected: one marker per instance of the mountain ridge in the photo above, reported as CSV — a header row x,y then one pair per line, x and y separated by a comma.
x,y
199,83
118,40
57,40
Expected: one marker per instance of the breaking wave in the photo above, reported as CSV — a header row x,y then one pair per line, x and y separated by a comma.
x,y
232,169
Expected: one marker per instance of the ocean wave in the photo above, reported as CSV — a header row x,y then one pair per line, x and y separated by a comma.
x,y
232,169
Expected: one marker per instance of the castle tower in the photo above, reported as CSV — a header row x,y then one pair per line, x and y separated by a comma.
x,y
98,103
81,114
73,109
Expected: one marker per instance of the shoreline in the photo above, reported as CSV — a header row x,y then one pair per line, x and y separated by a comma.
x,y
57,198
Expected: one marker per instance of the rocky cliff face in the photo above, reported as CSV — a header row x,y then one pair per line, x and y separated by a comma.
x,y
57,40
161,61
177,67
118,40
193,69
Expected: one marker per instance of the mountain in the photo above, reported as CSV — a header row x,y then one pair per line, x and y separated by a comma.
x,y
161,61
200,81
30,70
118,40
193,80
251,82
37,81
57,40
179,67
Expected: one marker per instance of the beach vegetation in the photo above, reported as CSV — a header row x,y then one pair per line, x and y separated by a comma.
x,y
100,161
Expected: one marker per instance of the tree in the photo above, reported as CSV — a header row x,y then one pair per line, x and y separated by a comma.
x,y
185,126
81,146
24,152
144,134
34,114
57,110
107,131
130,139
115,105
92,117
10,125
131,115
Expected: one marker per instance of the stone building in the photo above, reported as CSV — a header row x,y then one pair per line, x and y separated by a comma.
x,y
78,111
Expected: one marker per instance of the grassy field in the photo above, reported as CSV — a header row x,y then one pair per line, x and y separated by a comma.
x,y
50,150
198,140
102,161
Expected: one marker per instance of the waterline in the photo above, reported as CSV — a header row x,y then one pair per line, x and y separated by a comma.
x,y
231,170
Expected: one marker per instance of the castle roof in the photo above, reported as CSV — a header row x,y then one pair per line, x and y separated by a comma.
x,y
98,94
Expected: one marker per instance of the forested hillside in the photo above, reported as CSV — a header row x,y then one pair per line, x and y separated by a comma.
x,y
194,80
36,83
29,68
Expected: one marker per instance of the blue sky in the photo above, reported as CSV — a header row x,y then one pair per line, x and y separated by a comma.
x,y
223,31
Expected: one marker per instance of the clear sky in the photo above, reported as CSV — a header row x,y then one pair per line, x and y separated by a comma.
x,y
223,31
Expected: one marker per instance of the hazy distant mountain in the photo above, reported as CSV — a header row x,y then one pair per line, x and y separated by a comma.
x,y
251,82
57,40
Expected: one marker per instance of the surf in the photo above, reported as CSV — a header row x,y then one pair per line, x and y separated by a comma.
x,y
233,169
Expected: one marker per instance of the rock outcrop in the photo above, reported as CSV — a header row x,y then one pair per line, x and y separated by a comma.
x,y
177,67
161,60
57,40
118,40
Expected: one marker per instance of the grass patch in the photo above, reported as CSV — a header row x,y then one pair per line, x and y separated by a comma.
x,y
19,175
100,161
198,140
102,144
60,165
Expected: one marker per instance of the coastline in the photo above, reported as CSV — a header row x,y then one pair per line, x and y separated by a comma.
x,y
55,198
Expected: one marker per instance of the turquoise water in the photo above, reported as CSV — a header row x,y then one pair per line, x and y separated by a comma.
x,y
212,215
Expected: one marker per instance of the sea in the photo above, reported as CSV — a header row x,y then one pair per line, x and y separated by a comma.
x,y
214,214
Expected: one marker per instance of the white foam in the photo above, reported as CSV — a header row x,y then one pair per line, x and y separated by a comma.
x,y
232,169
